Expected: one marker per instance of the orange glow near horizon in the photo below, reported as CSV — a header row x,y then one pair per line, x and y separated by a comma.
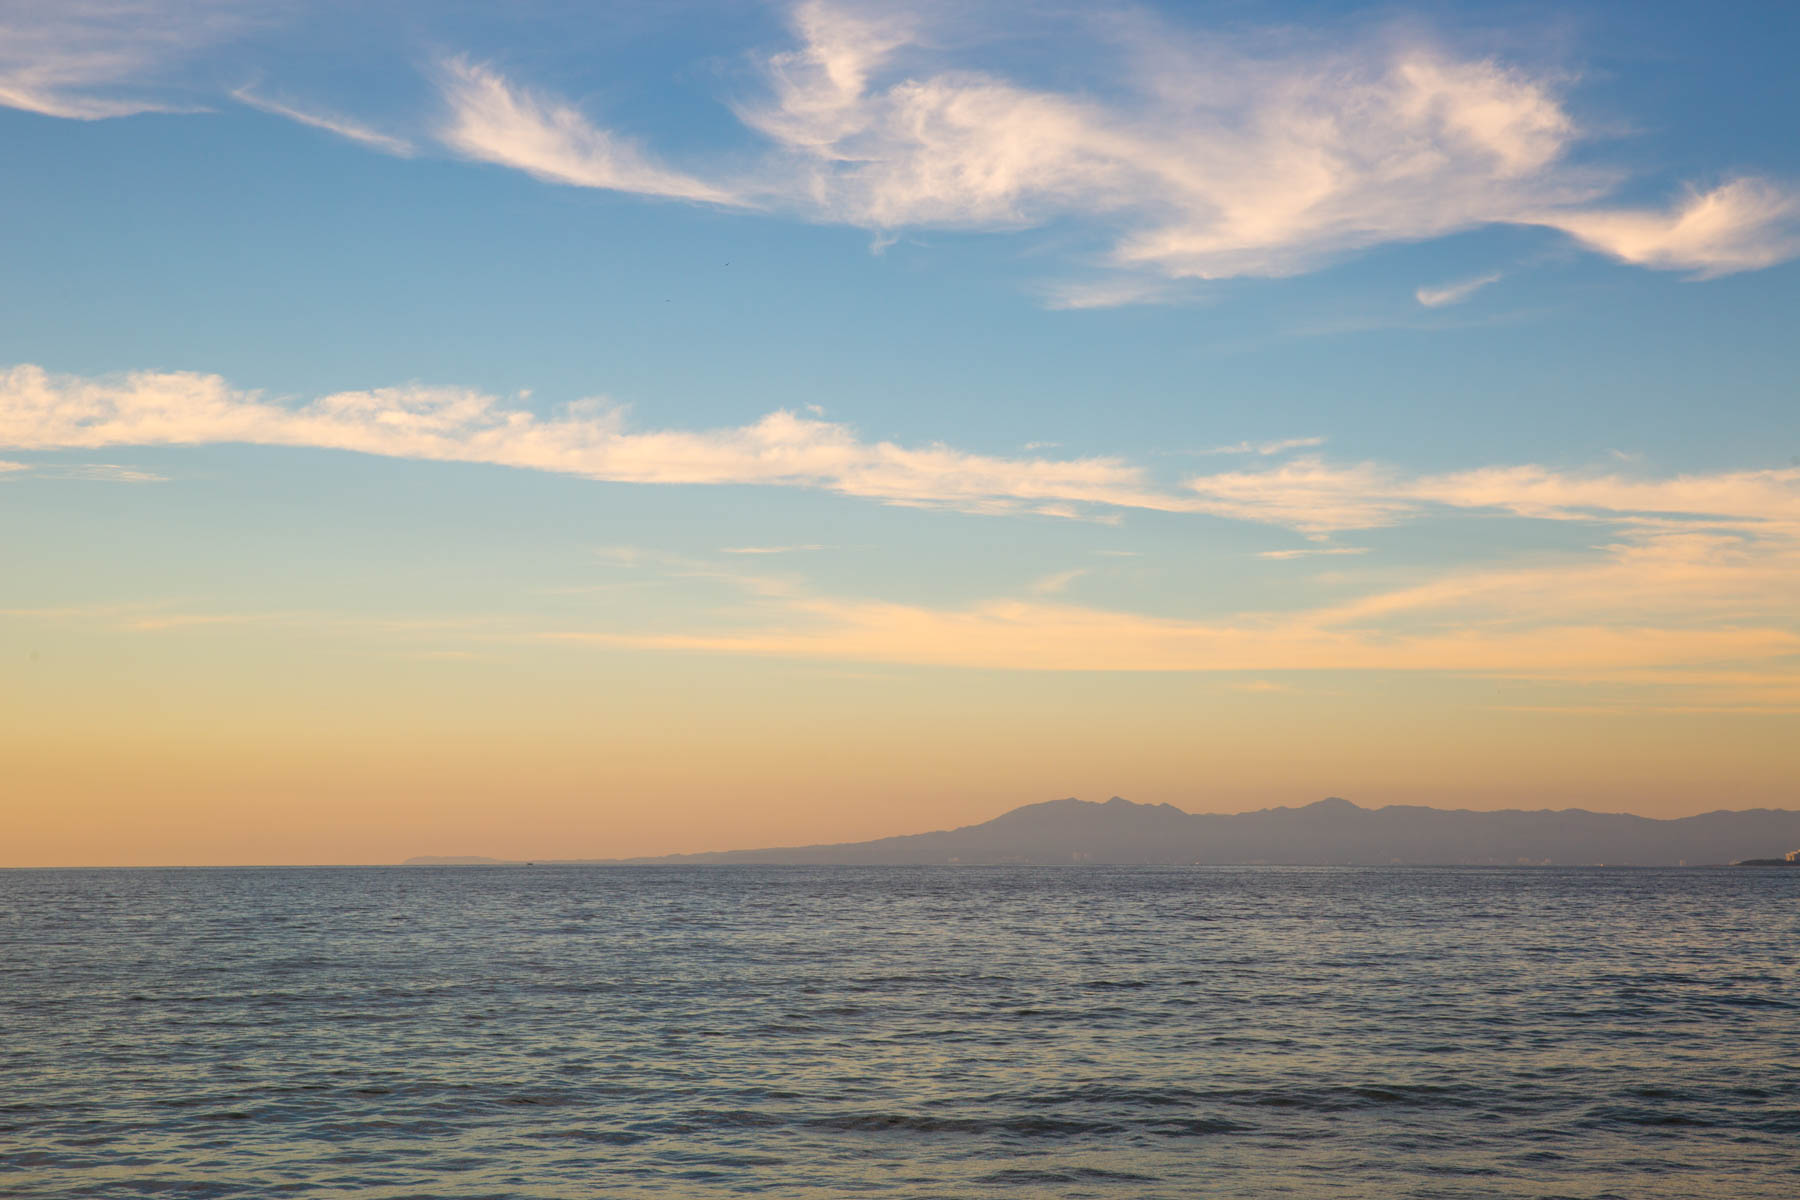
x,y
180,750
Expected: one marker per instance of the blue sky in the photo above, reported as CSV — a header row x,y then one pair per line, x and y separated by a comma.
x,y
1247,341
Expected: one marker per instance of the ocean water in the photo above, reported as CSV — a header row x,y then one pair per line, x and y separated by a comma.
x,y
1072,1032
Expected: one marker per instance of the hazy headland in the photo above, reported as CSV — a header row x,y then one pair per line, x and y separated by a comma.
x,y
1331,832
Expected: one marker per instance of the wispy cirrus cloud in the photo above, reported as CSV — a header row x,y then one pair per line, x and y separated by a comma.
x,y
800,549
89,60
39,410
1188,155
97,472
103,473
492,120
1309,494
1043,636
1224,156
1058,582
1212,157
1317,497
1454,293
1708,626
1742,225
1219,158
342,126
1278,446
1076,295
1707,619
1311,552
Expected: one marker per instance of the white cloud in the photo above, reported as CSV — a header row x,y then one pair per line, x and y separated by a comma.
x,y
96,472
1307,494
1311,552
88,60
1453,293
39,411
811,546
1056,584
1182,155
1742,225
1212,158
104,473
1115,292
1316,497
493,121
1216,161
1279,446
330,123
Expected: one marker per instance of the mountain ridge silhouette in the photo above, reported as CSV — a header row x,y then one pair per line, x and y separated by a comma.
x,y
1328,832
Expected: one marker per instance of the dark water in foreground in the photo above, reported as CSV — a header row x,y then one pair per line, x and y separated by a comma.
x,y
939,1032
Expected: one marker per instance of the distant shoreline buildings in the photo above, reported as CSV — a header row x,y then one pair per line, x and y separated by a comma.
x,y
1792,859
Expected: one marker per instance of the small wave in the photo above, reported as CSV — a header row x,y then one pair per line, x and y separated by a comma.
x,y
1030,1177
1615,1114
915,1123
1337,1099
1197,1126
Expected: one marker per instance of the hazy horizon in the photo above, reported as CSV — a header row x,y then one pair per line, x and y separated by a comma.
x,y
566,855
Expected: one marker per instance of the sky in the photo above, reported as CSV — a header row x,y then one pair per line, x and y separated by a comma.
x,y
587,430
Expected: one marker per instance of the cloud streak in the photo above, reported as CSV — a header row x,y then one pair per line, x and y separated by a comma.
x,y
1279,446
491,120
1311,552
94,472
1708,615
341,126
90,60
1308,494
1453,293
1043,636
1317,497
800,549
42,411
1743,225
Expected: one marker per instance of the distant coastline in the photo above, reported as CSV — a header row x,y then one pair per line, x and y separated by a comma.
x,y
1331,832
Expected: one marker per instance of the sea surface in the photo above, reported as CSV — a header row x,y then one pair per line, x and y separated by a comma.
x,y
813,1032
